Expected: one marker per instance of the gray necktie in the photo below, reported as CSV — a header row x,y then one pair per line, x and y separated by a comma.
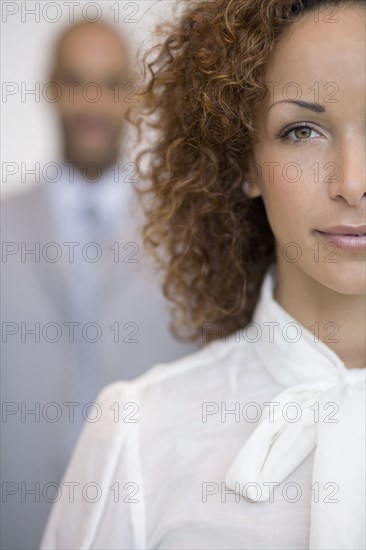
x,y
88,277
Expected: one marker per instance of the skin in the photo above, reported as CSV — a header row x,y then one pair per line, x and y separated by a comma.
x,y
311,289
91,130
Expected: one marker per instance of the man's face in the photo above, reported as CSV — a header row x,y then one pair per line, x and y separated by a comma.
x,y
92,75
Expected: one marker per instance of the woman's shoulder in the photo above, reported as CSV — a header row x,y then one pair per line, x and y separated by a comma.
x,y
213,360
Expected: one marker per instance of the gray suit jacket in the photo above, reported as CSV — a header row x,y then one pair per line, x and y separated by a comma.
x,y
41,372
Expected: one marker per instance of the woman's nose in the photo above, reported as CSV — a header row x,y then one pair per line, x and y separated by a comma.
x,y
349,182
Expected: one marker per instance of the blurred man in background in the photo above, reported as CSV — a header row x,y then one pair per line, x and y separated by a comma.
x,y
81,306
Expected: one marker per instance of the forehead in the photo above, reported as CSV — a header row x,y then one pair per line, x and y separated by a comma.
x,y
319,51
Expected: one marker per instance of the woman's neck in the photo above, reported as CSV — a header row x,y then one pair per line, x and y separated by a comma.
x,y
339,320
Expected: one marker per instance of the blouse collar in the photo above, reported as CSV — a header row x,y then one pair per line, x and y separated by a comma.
x,y
310,372
289,351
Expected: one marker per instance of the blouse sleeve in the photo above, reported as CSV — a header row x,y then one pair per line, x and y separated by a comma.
x,y
100,499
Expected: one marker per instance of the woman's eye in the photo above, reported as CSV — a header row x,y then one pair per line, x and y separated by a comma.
x,y
301,133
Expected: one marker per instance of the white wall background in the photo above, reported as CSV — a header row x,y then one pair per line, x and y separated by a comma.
x,y
29,31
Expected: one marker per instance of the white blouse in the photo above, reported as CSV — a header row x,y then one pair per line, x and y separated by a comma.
x,y
256,441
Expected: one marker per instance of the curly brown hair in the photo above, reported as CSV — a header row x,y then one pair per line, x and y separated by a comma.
x,y
199,98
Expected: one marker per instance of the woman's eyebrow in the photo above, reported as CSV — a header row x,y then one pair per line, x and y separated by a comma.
x,y
312,106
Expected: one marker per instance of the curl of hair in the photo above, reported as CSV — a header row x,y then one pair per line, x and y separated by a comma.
x,y
202,87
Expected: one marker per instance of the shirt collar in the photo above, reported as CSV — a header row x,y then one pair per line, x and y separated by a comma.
x,y
312,374
109,195
289,351
105,193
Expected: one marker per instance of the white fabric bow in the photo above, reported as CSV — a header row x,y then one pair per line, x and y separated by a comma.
x,y
288,433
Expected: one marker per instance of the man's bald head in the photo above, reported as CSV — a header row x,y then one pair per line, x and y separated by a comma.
x,y
92,38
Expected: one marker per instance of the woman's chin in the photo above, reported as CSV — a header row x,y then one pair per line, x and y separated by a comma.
x,y
345,279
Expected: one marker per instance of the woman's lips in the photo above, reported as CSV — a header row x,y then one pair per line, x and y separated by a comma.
x,y
354,243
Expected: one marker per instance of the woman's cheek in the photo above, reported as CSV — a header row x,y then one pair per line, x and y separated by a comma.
x,y
286,207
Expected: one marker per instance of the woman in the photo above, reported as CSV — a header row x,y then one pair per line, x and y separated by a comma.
x,y
258,220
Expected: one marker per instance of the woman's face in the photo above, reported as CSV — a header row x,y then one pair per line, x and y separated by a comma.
x,y
314,178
